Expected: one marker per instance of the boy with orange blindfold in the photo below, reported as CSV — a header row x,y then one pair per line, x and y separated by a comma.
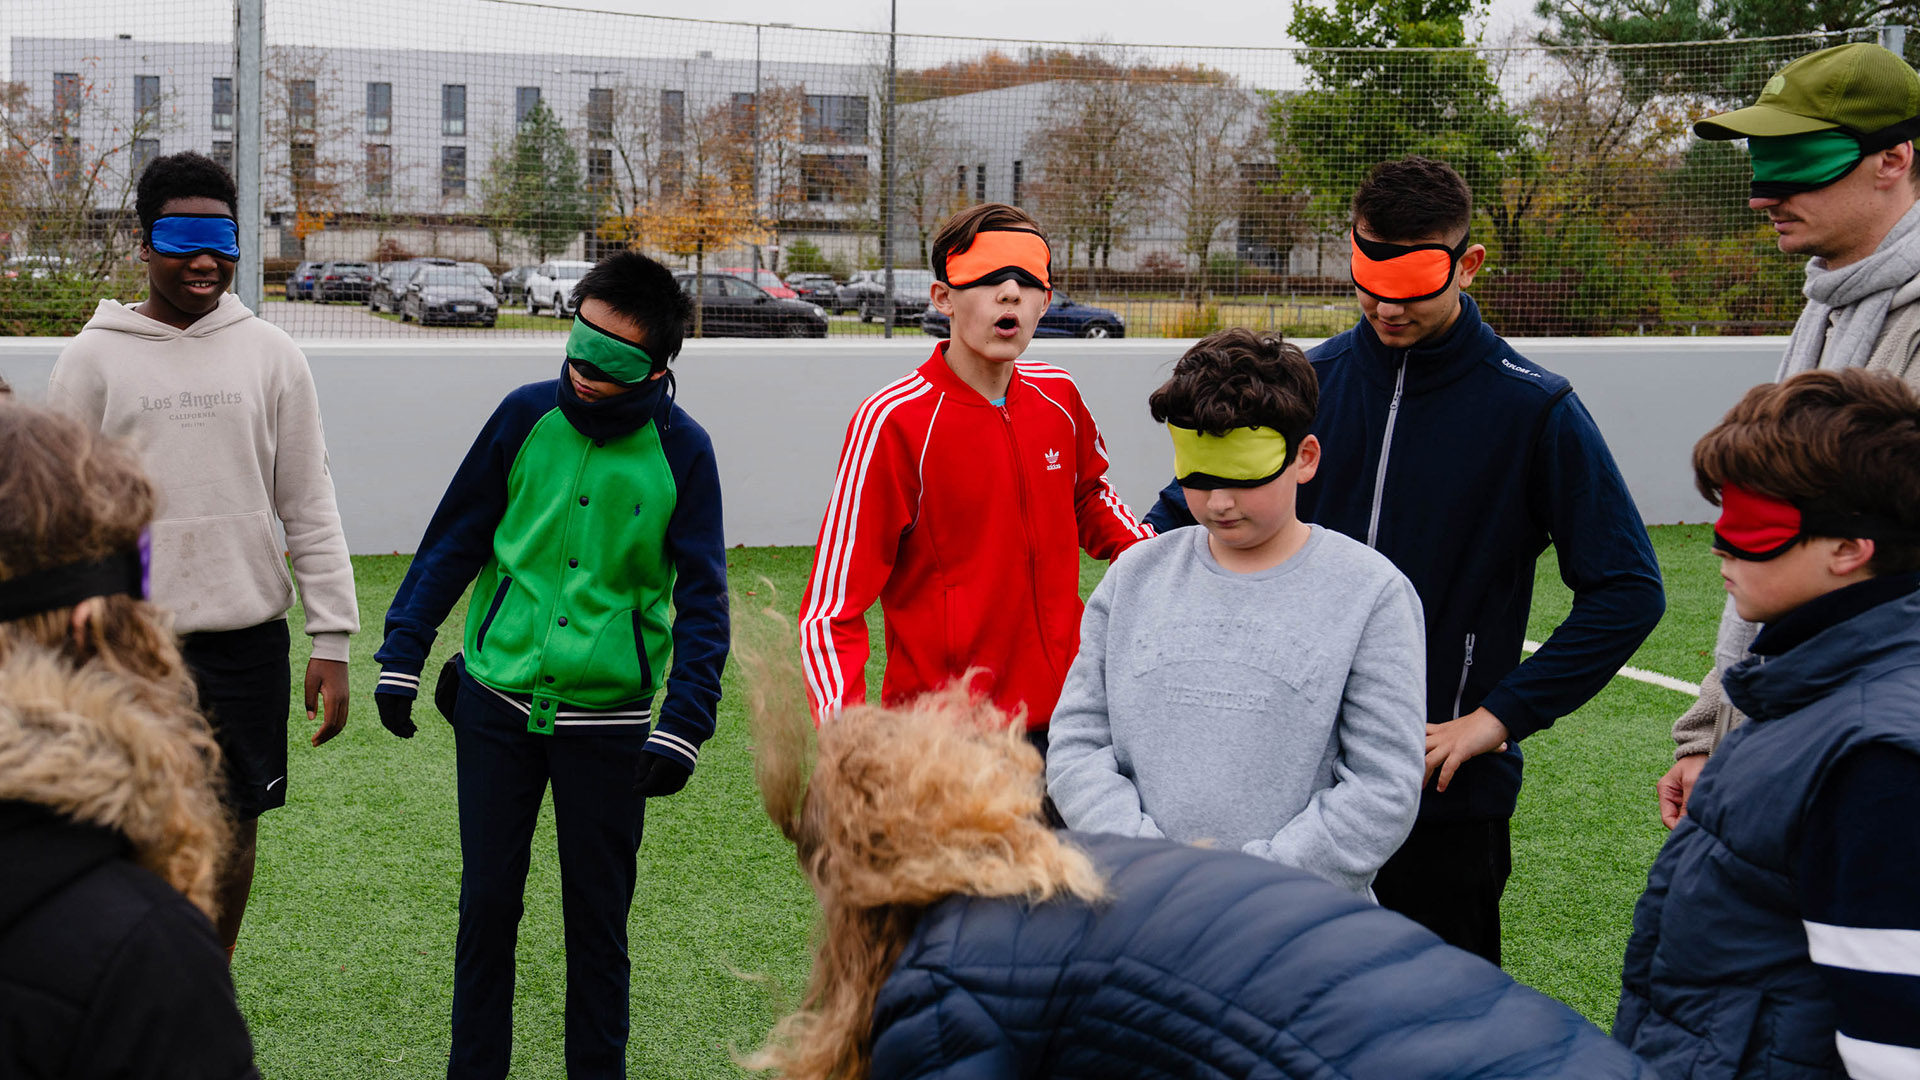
x,y
1461,461
964,495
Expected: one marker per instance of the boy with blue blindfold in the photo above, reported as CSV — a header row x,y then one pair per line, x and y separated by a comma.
x,y
222,407
1830,139
587,518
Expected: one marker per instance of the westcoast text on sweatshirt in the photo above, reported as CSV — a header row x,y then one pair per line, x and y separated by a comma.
x,y
227,423
1279,712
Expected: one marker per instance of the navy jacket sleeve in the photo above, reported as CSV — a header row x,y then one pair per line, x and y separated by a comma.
x,y
926,1027
696,545
1170,512
1605,558
1859,891
458,540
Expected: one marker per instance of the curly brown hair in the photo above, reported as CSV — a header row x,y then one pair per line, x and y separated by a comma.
x,y
890,810
1846,442
1239,378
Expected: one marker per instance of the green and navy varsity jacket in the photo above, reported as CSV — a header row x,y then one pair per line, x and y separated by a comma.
x,y
591,534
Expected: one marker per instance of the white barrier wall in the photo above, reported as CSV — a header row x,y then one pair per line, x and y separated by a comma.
x,y
400,415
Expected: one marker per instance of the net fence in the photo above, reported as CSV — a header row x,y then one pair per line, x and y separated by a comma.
x,y
448,167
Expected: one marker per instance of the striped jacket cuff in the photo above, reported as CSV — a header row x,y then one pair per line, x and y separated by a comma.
x,y
398,683
668,745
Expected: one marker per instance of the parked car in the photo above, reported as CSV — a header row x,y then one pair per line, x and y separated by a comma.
x,y
816,288
733,307
1063,318
390,280
766,279
300,281
550,286
511,287
447,294
342,281
479,270
35,267
866,292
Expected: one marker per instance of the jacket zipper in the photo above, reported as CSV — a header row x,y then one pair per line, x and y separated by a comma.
x,y
1026,522
1465,666
1386,448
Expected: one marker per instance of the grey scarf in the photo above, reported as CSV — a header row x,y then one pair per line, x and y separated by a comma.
x,y
1854,299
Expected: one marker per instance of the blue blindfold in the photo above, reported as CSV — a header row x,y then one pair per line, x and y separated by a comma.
x,y
190,234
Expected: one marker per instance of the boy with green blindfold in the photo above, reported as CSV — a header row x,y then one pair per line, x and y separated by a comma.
x,y
1834,171
1258,682
587,519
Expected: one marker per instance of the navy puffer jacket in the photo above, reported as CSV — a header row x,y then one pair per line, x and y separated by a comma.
x,y
1212,964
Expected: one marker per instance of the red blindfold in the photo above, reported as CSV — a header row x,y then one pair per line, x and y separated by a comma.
x,y
1404,273
1758,527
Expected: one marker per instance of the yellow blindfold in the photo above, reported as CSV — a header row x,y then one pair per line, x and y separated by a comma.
x,y
1243,457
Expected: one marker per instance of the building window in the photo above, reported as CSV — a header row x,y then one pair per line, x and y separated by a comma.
x,y
146,95
525,100
453,111
66,95
599,168
222,104
379,108
379,170
223,153
1019,178
453,171
300,175
673,115
740,114
66,162
960,182
979,183
144,151
832,178
672,164
300,104
600,113
835,118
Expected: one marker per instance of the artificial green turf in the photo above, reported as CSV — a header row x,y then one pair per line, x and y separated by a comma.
x,y
345,961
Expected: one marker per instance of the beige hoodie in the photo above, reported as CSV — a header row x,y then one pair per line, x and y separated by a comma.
x,y
227,423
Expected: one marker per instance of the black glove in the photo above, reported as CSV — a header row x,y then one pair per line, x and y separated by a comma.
x,y
659,775
396,713
446,689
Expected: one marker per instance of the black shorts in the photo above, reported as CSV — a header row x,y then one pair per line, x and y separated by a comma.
x,y
246,688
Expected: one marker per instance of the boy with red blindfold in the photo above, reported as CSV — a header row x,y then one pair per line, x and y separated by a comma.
x,y
1461,461
1802,828
964,495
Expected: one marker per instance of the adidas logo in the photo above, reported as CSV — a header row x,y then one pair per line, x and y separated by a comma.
x,y
1053,460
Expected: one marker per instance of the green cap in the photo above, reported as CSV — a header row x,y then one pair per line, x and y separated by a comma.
x,y
1860,87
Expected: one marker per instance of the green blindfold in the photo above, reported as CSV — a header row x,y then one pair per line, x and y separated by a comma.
x,y
598,352
1243,457
1787,164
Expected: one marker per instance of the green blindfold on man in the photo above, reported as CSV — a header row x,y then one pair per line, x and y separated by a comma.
x,y
1786,165
606,356
1241,458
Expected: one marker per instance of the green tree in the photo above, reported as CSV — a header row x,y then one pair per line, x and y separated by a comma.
x,y
533,188
1390,79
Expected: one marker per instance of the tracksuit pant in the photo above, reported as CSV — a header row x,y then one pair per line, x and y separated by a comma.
x,y
503,772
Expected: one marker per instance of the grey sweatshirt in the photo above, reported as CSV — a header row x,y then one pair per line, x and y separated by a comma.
x,y
1281,712
227,423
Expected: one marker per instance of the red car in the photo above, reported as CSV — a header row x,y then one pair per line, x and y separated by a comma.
x,y
766,279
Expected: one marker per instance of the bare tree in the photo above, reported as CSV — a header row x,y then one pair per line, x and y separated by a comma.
x,y
1094,172
308,137
1201,131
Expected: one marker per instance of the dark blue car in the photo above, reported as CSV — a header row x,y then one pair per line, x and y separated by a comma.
x,y
300,281
1063,318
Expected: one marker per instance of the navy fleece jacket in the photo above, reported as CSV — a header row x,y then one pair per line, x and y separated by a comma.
x,y
1462,461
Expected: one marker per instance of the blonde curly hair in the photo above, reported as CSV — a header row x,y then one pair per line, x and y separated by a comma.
x,y
891,810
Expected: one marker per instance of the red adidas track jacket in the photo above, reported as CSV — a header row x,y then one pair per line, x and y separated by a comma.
x,y
965,520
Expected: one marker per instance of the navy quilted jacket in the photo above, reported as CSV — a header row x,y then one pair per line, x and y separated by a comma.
x,y
1212,964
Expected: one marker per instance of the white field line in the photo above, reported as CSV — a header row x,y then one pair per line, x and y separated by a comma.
x,y
1641,675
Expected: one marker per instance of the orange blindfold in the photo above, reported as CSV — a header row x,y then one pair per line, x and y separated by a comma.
x,y
1404,273
997,255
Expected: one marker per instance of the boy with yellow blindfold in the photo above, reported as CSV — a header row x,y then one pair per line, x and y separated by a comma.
x,y
1256,682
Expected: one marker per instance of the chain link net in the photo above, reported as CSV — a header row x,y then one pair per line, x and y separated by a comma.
x,y
455,163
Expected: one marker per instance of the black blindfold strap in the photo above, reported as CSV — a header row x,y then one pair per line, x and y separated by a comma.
x,y
64,586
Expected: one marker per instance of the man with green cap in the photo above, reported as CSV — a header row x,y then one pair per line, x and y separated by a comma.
x,y
1834,171
587,517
